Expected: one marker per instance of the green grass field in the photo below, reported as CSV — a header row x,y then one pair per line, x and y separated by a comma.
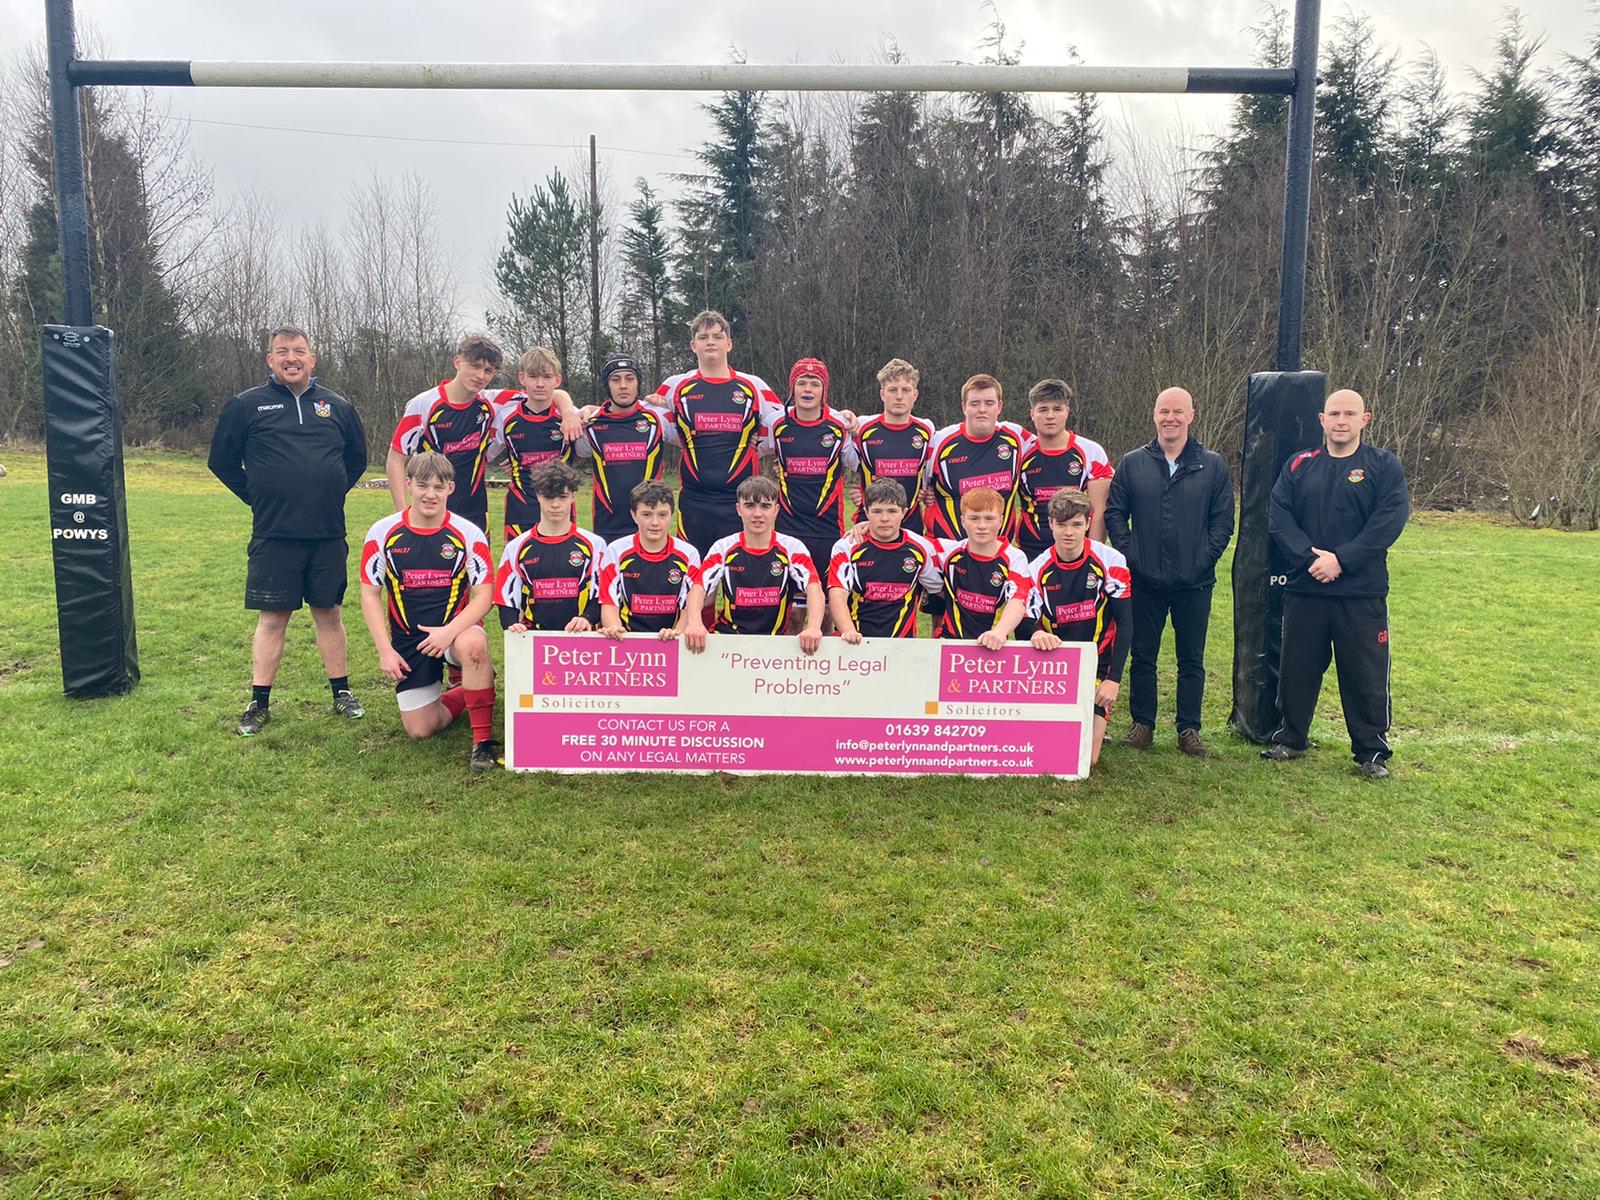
x,y
327,962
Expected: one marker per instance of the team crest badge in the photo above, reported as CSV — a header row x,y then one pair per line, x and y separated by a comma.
x,y
996,579
1092,584
777,568
576,558
918,442
322,408
447,551
1356,476
1075,469
674,576
642,425
827,441
1004,452
909,566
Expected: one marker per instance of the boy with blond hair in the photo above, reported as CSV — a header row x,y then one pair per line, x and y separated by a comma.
x,y
530,424
895,444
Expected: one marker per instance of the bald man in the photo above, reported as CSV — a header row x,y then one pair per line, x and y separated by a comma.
x,y
1334,514
1170,512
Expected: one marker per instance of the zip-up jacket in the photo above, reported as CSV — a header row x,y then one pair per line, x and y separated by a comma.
x,y
1355,506
290,459
1171,526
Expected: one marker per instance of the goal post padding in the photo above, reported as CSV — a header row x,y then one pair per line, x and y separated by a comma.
x,y
88,512
1280,420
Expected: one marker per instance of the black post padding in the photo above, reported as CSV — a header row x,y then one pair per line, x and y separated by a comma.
x,y
1280,420
88,512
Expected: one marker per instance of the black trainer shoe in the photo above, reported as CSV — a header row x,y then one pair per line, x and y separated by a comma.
x,y
255,717
485,757
345,704
1374,769
1280,753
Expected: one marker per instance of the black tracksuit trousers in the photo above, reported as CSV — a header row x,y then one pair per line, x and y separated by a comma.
x,y
1190,609
1354,632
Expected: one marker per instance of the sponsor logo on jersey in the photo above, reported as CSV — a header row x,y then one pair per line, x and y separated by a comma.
x,y
881,592
898,468
653,605
757,597
322,408
421,577
555,589
461,445
576,558
1043,494
1000,482
718,422
1356,476
624,452
977,601
807,465
537,458
1083,610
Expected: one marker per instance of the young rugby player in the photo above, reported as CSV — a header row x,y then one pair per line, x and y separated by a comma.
x,y
424,592
814,456
623,440
873,584
754,577
982,451
1080,594
529,424
549,577
894,444
1056,459
646,578
987,581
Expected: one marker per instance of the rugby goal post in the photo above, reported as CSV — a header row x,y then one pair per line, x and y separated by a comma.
x,y
94,590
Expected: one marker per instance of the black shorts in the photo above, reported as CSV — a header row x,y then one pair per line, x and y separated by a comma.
x,y
283,573
421,685
704,517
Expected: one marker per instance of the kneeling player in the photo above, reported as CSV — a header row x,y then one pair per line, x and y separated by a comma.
x,y
646,579
549,577
987,581
873,584
1081,593
754,577
424,591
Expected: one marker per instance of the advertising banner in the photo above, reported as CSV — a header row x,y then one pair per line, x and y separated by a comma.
x,y
756,705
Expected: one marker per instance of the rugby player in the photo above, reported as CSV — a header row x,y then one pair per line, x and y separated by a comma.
x,y
986,580
894,444
646,579
530,426
874,583
424,592
549,578
1080,594
623,440
980,451
755,577
1057,458
814,455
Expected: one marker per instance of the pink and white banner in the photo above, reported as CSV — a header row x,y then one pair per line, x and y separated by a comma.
x,y
753,705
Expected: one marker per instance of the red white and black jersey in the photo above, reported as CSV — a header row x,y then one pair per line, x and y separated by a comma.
x,y
1044,473
882,581
626,450
648,590
1086,600
427,575
813,457
958,463
752,590
898,452
720,424
465,435
977,588
545,582
532,440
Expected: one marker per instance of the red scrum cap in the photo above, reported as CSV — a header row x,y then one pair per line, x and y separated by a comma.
x,y
809,366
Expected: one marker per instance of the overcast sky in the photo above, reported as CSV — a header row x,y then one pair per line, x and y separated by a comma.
x,y
307,175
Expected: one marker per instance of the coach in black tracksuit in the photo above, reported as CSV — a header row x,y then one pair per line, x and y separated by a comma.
x,y
1334,514
291,449
1170,512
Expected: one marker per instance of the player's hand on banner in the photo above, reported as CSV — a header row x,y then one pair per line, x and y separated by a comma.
x,y
668,635
437,641
990,639
393,666
519,627
1045,641
694,635
579,625
1105,693
811,640
615,632
850,637
1325,566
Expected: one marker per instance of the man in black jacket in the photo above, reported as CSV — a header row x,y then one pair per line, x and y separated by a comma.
x,y
1334,514
291,449
1170,512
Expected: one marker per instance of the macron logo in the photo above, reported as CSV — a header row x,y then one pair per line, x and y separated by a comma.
x,y
269,407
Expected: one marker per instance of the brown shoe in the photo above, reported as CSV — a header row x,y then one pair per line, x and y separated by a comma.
x,y
1189,742
1139,737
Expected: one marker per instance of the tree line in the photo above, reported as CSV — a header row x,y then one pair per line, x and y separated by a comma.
x,y
1454,270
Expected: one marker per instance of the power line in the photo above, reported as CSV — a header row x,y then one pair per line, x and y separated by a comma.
x,y
396,137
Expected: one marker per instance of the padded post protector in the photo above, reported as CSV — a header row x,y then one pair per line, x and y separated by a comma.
x,y
1280,420
88,512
